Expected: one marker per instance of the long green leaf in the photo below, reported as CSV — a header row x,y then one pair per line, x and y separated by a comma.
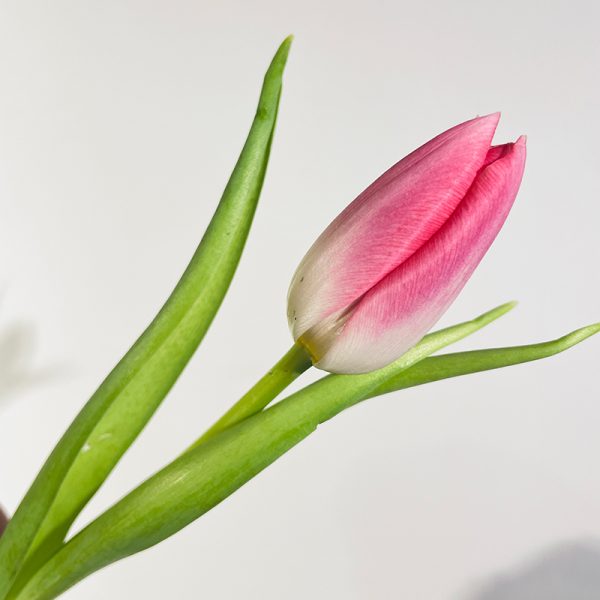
x,y
203,477
126,400
436,368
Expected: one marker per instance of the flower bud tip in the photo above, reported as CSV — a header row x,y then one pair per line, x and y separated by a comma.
x,y
521,141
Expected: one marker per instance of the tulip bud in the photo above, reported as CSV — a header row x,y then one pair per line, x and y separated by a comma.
x,y
387,268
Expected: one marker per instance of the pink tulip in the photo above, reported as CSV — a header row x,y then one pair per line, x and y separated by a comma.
x,y
387,268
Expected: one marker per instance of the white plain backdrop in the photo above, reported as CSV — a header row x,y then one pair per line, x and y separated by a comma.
x,y
120,122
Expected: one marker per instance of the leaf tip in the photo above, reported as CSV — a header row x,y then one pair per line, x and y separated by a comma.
x,y
495,313
589,330
577,336
284,48
275,71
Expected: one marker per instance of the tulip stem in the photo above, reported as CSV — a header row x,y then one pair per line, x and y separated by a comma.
x,y
291,365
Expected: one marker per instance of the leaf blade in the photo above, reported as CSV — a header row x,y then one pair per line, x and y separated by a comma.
x,y
445,366
69,477
198,480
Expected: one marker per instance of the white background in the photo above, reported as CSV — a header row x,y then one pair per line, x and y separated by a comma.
x,y
119,124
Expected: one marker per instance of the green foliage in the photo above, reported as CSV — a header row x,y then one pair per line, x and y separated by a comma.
x,y
446,366
123,404
203,477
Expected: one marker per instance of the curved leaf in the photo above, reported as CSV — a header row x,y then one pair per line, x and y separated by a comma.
x,y
206,475
456,364
128,397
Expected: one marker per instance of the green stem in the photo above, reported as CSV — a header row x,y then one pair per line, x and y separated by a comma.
x,y
293,363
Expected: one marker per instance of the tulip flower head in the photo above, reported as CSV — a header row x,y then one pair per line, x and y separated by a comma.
x,y
387,268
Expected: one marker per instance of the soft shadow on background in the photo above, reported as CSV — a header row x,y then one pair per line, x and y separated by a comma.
x,y
570,571
18,371
17,342
16,348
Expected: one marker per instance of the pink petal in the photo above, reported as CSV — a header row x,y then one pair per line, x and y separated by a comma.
x,y
395,314
387,223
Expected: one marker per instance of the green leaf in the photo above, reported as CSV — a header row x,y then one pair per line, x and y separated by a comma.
x,y
203,477
128,397
445,366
